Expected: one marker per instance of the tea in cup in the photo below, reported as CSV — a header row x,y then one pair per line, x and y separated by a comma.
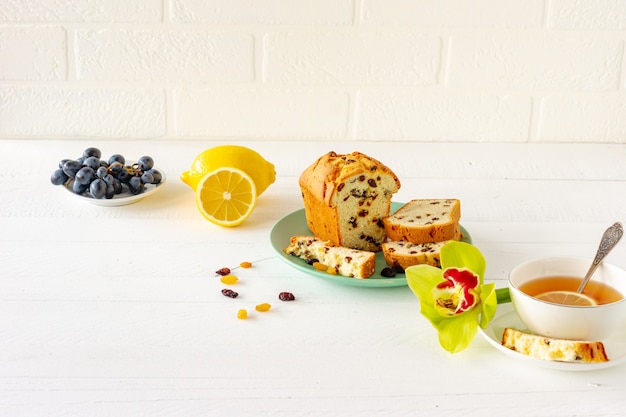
x,y
543,292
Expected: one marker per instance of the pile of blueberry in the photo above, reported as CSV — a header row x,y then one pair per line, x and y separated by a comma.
x,y
101,178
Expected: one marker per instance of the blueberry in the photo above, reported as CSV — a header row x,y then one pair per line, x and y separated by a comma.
x,y
116,167
110,192
102,172
156,175
117,186
123,176
79,188
71,167
95,152
117,158
135,186
59,177
147,178
85,175
145,163
98,188
92,162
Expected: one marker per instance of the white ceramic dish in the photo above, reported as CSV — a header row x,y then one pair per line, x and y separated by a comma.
x,y
506,316
122,199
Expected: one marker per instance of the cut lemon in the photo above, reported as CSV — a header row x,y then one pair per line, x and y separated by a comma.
x,y
568,298
234,156
226,196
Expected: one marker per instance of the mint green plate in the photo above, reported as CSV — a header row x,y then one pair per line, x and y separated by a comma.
x,y
295,224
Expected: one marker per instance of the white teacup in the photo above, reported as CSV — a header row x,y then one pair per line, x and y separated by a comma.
x,y
562,321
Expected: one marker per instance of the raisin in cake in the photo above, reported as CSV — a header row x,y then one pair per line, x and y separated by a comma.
x,y
346,198
406,254
343,261
425,220
551,349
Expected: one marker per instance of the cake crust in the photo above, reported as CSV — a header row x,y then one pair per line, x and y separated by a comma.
x,y
551,349
406,254
424,221
346,197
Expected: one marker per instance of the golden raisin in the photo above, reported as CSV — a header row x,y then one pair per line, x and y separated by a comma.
x,y
245,264
242,314
332,271
263,307
320,266
229,279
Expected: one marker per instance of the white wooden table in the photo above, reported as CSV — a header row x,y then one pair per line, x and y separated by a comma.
x,y
117,311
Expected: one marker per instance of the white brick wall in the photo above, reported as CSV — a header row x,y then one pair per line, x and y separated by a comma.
x,y
406,70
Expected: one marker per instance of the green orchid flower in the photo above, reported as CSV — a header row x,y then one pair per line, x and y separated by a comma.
x,y
454,298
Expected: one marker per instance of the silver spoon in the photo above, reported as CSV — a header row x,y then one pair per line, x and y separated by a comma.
x,y
611,236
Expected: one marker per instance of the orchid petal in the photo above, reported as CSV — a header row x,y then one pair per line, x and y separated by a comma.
x,y
463,255
457,333
489,303
459,290
422,279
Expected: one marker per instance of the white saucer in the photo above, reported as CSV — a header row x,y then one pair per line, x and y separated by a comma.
x,y
119,199
507,317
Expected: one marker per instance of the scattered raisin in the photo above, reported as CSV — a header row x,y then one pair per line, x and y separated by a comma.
x,y
229,293
263,307
223,271
286,296
242,314
320,266
229,279
388,272
245,264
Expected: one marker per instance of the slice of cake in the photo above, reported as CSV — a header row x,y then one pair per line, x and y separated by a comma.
x,y
346,198
406,254
550,349
424,221
336,259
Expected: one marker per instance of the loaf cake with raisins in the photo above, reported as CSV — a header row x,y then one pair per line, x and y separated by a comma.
x,y
335,259
424,221
346,197
406,254
551,349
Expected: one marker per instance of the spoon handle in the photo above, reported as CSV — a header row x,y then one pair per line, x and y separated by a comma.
x,y
611,236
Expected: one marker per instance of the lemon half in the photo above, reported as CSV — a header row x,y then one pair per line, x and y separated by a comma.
x,y
226,196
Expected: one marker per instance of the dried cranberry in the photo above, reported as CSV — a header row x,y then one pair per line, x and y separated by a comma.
x,y
229,293
223,271
286,296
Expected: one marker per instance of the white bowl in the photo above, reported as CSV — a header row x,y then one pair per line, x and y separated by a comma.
x,y
568,322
